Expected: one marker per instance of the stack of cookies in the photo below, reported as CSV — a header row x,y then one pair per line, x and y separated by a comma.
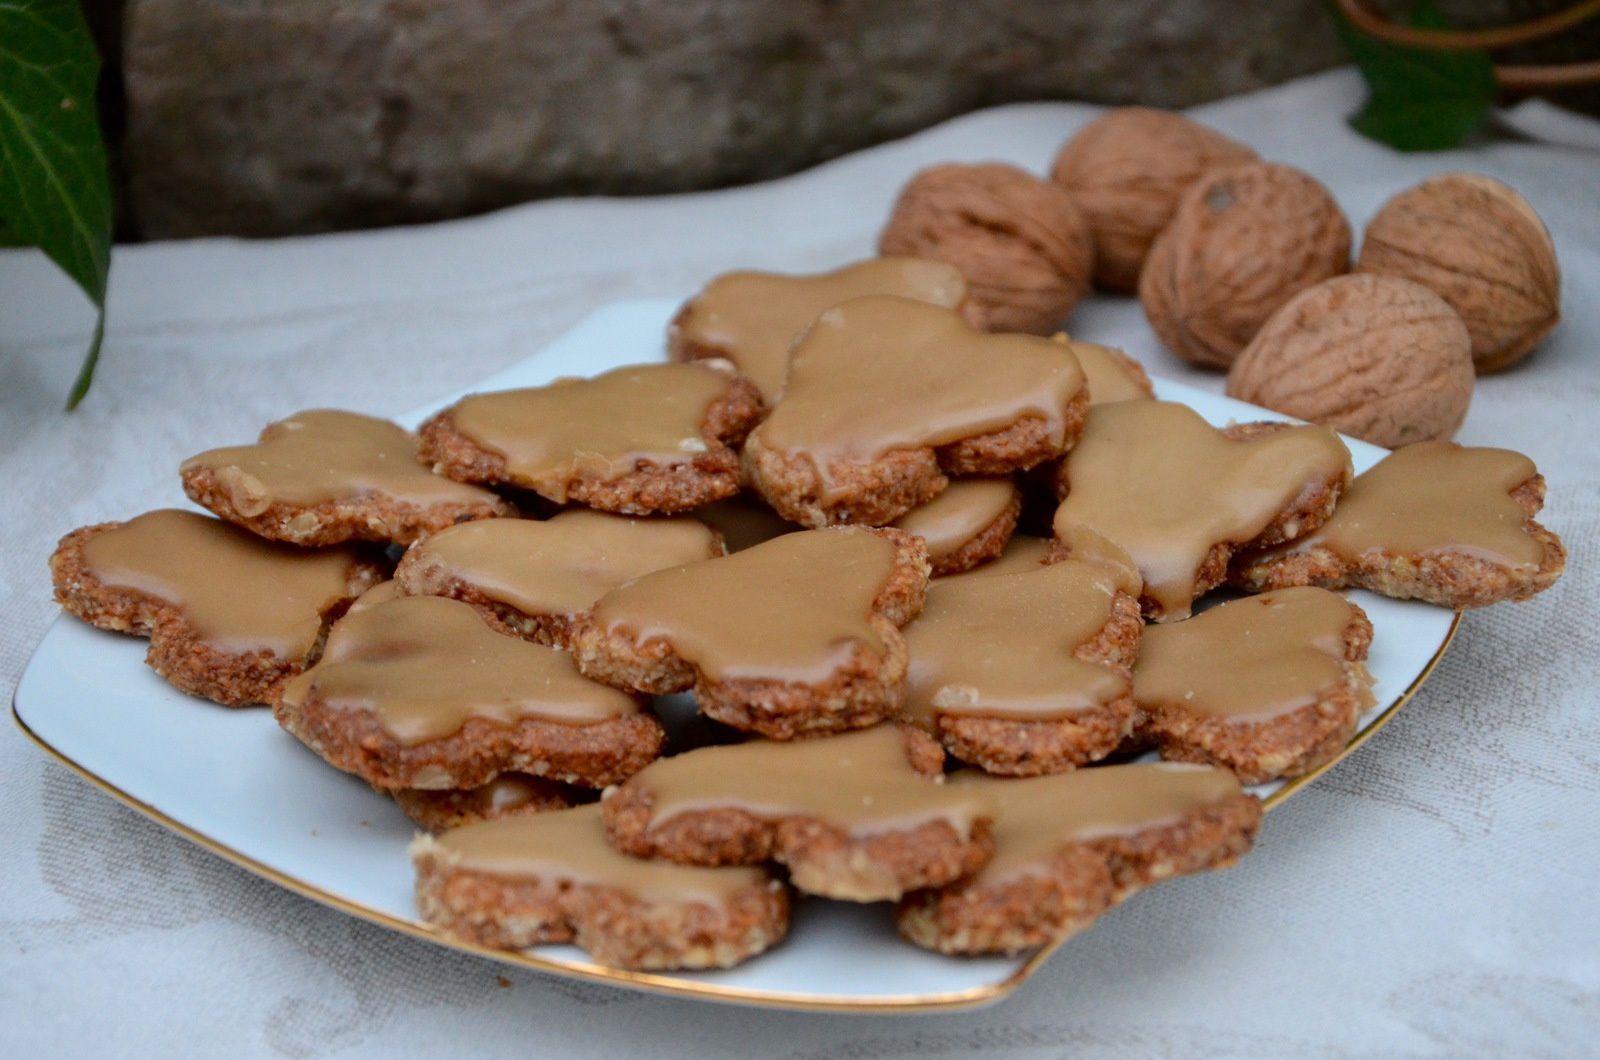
x,y
921,583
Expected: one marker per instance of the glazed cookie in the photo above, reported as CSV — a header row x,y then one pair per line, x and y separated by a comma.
x,y
1435,521
744,521
536,579
753,318
526,881
1027,673
1022,553
323,477
507,795
1179,497
230,617
1111,374
861,817
420,692
1070,847
968,524
645,439
793,637
1268,686
887,396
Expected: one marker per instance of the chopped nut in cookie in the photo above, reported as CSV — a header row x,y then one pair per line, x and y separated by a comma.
x,y
887,396
1435,521
230,616
1268,686
854,817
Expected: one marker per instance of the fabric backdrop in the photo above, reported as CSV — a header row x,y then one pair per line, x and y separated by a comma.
x,y
1435,895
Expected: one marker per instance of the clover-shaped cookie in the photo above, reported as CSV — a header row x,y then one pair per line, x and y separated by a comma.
x,y
1069,847
795,636
860,817
1026,673
886,397
420,692
966,525
1152,482
230,616
1267,686
645,439
1434,521
753,318
537,578
324,476
523,881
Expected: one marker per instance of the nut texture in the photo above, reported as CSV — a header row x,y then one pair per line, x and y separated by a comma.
x,y
1023,246
1244,241
1483,249
1126,172
1379,357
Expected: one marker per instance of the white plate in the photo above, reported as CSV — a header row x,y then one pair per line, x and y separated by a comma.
x,y
233,782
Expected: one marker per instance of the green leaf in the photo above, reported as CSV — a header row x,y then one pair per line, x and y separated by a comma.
x,y
54,192
1419,99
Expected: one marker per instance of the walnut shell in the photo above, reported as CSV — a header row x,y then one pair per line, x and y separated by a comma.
x,y
1379,357
1126,170
1244,241
1023,246
1483,249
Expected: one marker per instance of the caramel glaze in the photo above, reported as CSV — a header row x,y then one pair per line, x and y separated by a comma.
x,y
1035,818
1156,479
565,564
860,782
792,609
880,374
1255,658
1107,371
1003,646
238,592
753,318
424,665
567,847
964,510
329,455
1431,498
601,427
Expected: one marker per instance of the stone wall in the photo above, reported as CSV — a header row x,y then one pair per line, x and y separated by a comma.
x,y
266,117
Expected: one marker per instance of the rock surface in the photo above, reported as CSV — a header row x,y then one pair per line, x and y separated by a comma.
x,y
267,117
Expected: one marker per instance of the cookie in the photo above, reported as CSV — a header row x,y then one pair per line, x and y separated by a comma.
x,y
1179,497
1267,686
793,637
537,578
526,881
1022,553
1434,521
420,692
323,477
1070,847
753,318
861,817
744,521
230,616
968,524
886,397
1111,374
641,440
1026,673
507,795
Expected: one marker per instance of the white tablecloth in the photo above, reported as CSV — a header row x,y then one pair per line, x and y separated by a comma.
x,y
1435,895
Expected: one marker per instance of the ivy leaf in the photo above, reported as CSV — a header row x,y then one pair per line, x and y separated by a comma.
x,y
54,192
1419,99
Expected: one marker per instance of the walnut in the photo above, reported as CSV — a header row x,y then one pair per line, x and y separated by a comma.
x,y
1379,357
1245,240
1483,249
1023,246
1126,171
